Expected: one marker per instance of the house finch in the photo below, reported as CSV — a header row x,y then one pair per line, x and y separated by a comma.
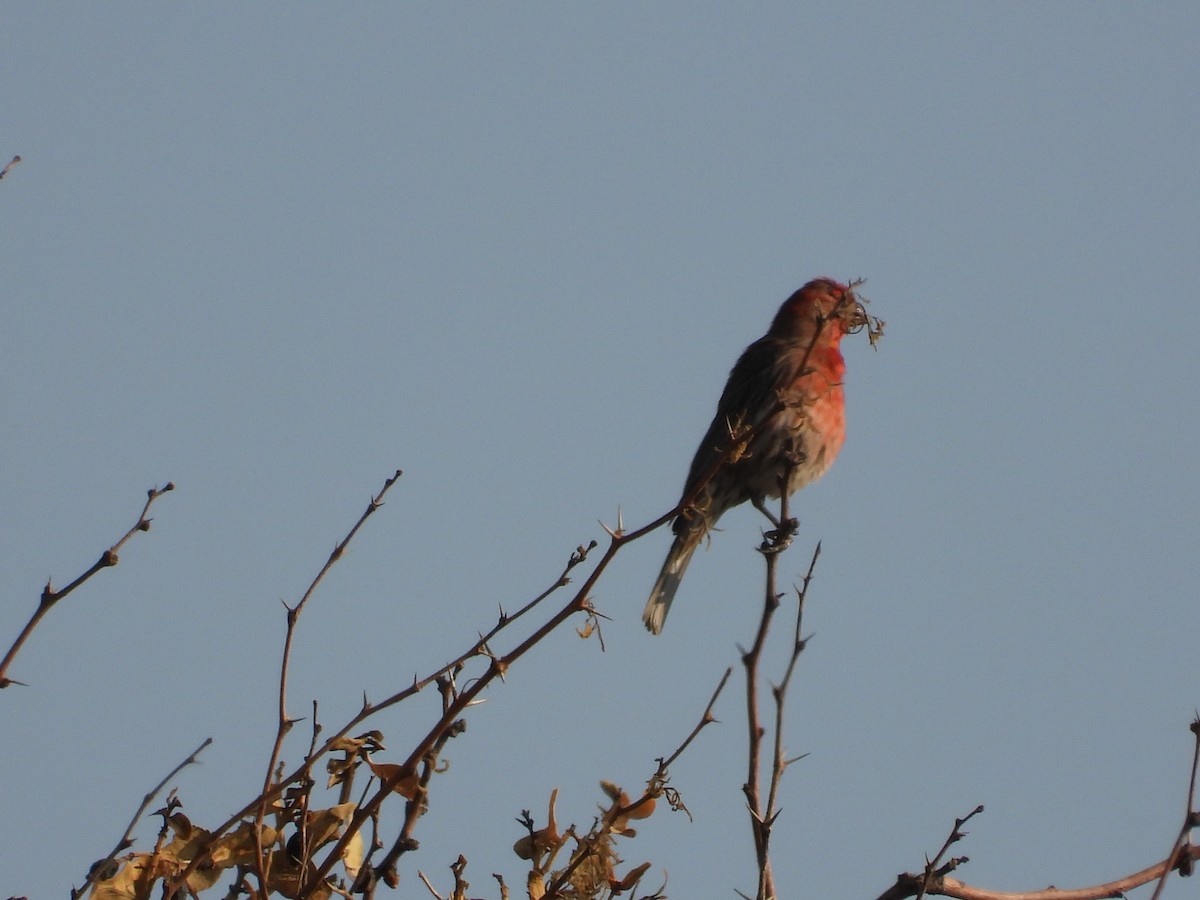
x,y
784,402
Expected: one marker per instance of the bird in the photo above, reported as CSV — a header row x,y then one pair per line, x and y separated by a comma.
x,y
782,414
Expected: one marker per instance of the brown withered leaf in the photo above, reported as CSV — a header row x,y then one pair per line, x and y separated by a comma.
x,y
542,841
407,783
533,846
321,827
175,856
371,741
237,847
631,878
325,825
131,882
285,879
340,768
352,856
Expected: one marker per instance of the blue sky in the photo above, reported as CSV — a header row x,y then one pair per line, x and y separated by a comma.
x,y
273,253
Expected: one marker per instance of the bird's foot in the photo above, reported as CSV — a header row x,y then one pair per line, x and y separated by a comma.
x,y
779,538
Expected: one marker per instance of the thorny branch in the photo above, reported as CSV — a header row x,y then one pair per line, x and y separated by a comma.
x,y
50,596
284,724
908,885
1191,819
497,666
935,878
780,762
705,719
934,869
763,815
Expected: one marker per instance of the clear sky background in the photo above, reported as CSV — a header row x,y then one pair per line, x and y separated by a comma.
x,y
273,253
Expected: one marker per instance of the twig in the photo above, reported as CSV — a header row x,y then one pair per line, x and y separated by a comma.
x,y
762,817
1191,818
425,880
50,596
478,648
933,867
284,724
13,162
705,719
779,763
126,840
908,885
934,879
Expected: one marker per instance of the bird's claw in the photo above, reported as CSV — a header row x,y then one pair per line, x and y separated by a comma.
x,y
780,538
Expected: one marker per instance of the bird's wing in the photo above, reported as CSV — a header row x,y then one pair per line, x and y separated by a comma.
x,y
748,397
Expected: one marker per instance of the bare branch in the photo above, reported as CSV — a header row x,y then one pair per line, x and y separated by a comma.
x,y
909,885
762,816
1190,819
934,868
284,724
780,763
50,596
705,719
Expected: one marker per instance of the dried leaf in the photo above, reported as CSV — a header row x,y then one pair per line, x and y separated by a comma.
x,y
325,825
352,856
406,785
631,878
237,847
544,840
132,881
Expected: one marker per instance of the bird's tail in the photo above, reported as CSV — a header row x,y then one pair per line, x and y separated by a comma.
x,y
668,581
